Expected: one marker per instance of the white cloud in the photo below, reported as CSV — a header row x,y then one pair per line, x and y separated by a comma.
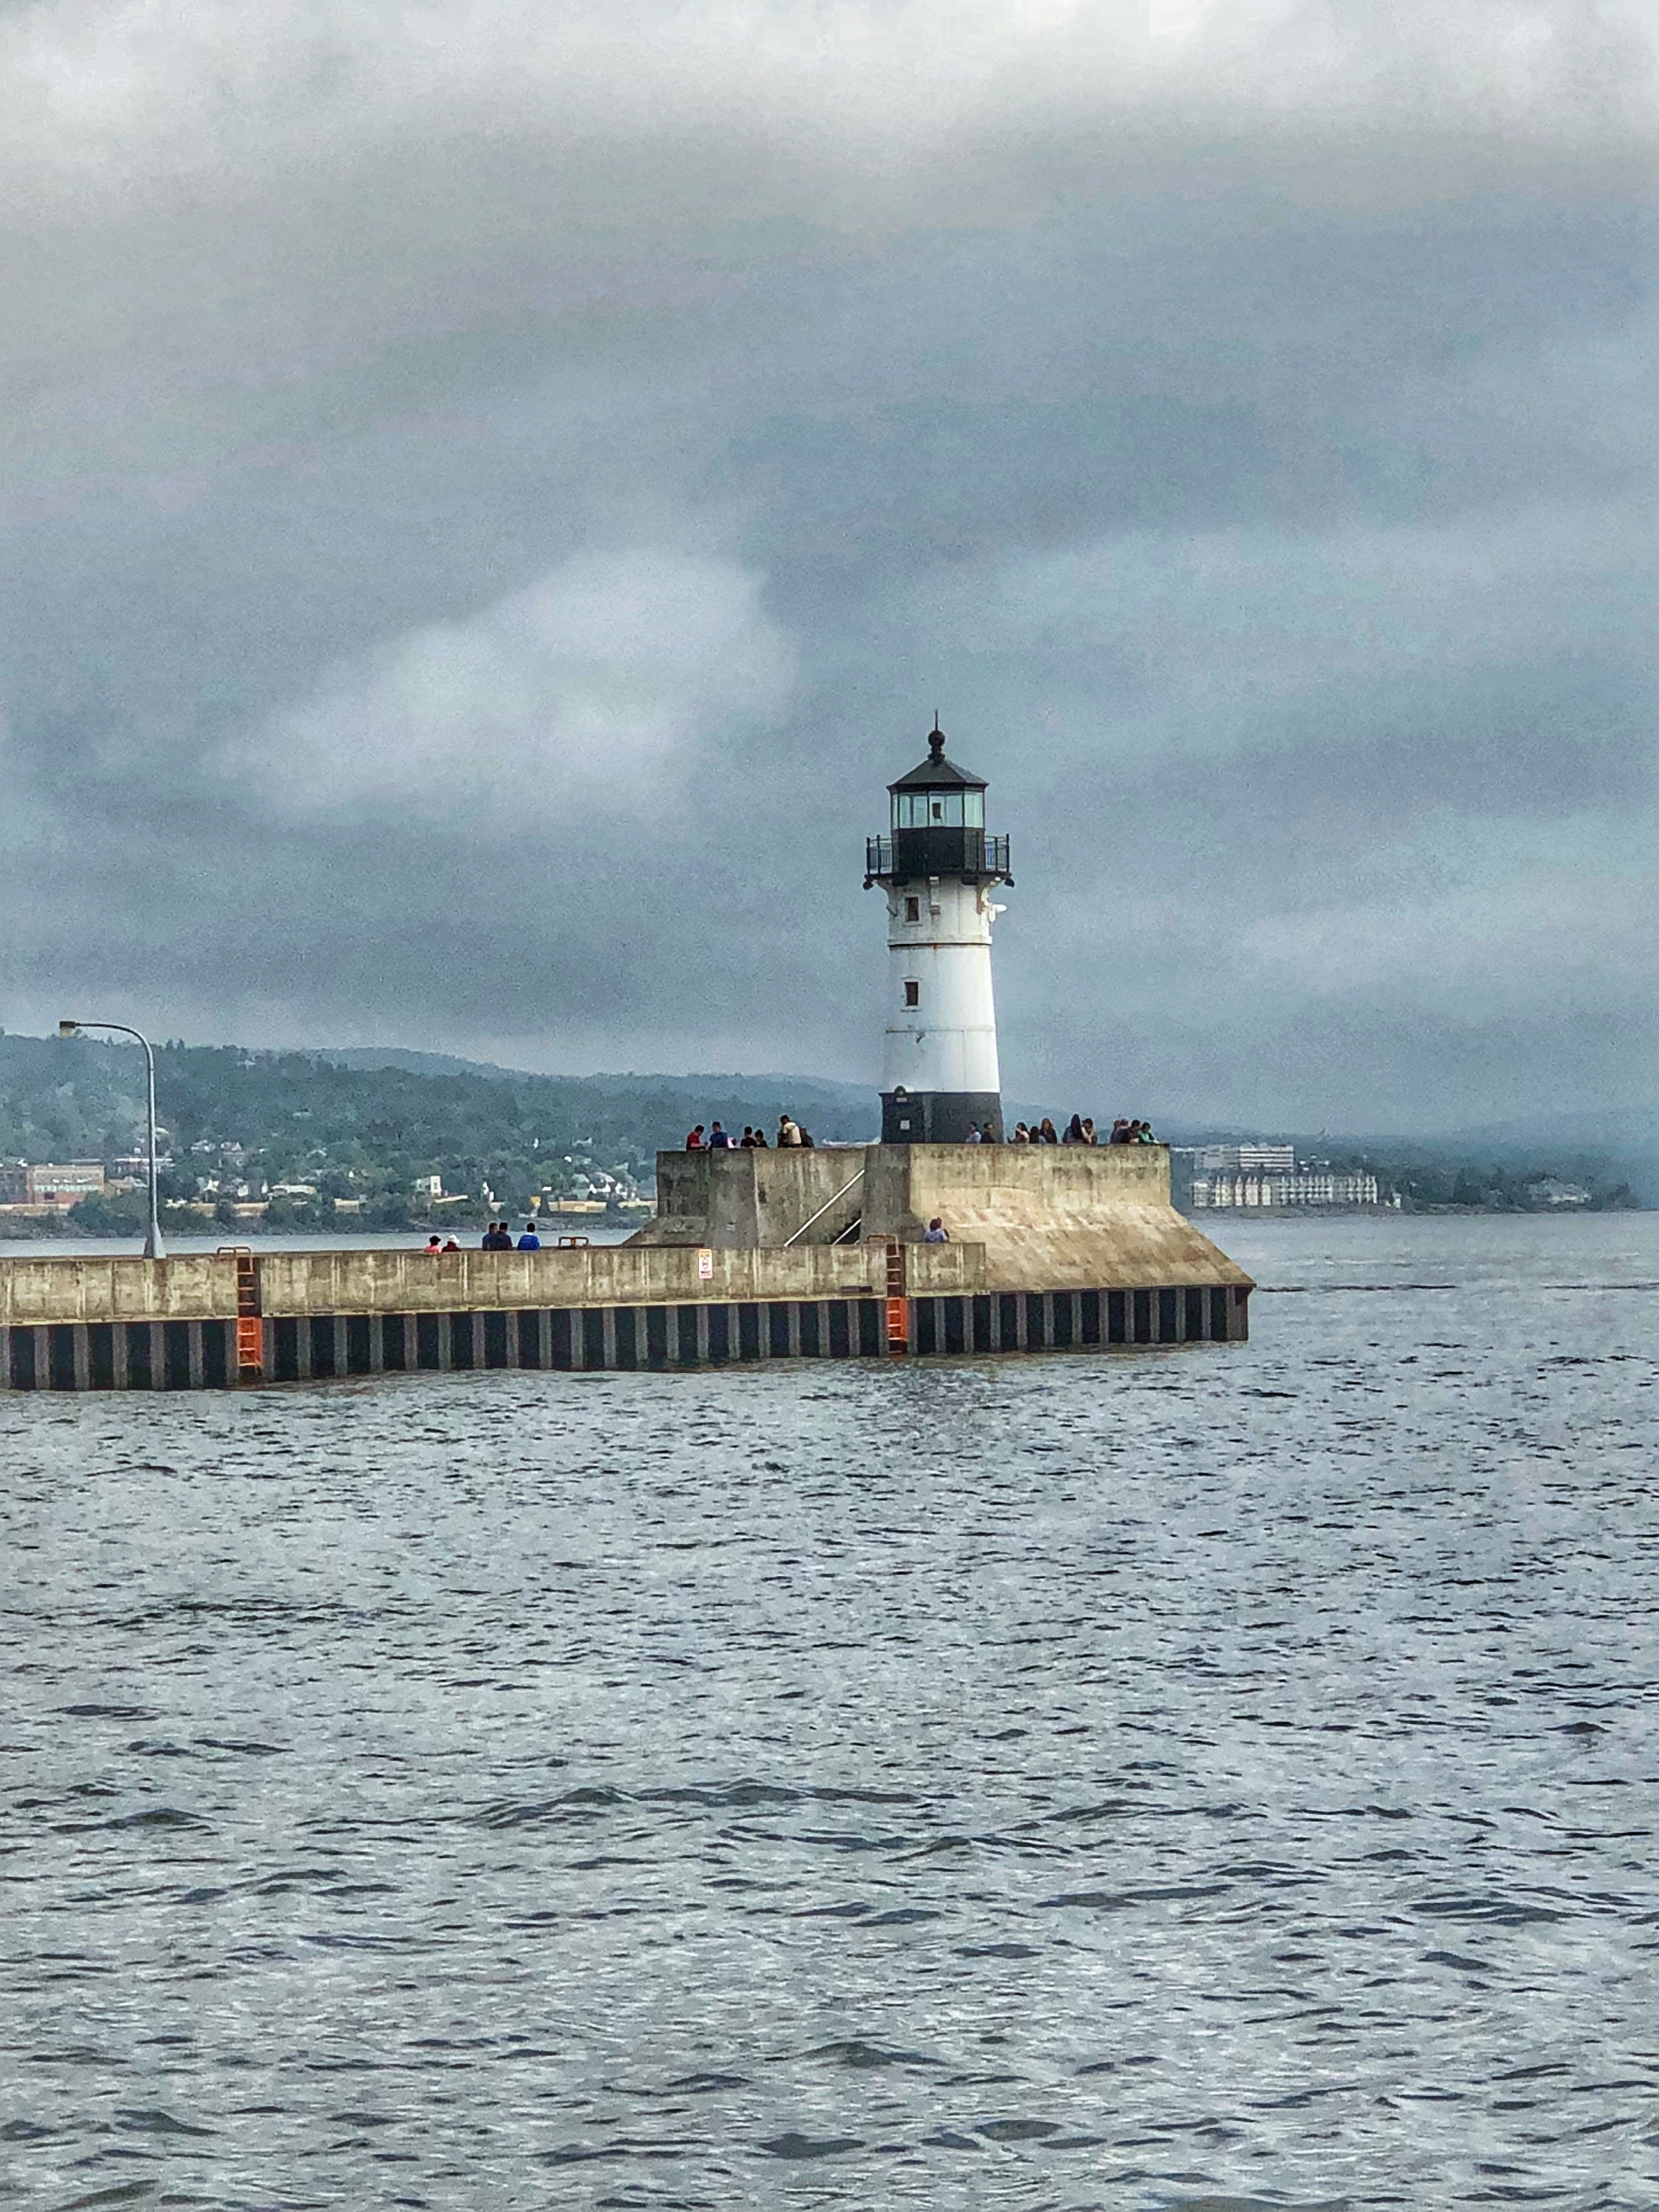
x,y
870,90
597,686
1247,427
1209,634
1498,938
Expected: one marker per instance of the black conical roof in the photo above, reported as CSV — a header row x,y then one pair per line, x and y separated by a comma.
x,y
936,770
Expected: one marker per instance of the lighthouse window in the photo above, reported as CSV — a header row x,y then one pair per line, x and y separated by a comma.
x,y
913,909
912,994
939,810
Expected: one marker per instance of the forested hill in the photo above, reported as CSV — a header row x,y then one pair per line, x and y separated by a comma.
x,y
363,1125
309,1113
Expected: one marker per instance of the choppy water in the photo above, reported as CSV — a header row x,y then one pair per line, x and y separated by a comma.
x,y
1213,1778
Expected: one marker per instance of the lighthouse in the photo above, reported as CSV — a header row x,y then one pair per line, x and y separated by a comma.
x,y
938,869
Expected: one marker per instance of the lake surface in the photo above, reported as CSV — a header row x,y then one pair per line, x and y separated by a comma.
x,y
1214,1778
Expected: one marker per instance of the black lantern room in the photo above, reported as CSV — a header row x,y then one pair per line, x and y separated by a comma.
x,y
938,827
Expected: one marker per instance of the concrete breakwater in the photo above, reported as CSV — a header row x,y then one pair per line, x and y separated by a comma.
x,y
752,1256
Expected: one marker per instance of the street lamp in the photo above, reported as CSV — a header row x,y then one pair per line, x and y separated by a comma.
x,y
154,1247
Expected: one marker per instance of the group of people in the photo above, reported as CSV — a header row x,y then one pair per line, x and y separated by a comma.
x,y
716,1139
713,1136
1078,1131
498,1237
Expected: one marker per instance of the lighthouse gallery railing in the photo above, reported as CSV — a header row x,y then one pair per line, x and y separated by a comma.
x,y
971,852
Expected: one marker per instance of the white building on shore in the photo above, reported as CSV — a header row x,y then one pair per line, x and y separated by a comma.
x,y
1262,1175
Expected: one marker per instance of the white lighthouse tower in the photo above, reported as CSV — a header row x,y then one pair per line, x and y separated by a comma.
x,y
938,869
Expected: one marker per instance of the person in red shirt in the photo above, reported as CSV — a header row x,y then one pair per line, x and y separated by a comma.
x,y
694,1143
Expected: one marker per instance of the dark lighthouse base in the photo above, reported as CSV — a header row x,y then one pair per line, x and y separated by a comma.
x,y
939,1117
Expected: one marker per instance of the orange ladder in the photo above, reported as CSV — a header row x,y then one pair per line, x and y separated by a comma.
x,y
898,1303
250,1323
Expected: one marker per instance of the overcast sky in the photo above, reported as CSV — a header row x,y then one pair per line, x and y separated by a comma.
x,y
496,491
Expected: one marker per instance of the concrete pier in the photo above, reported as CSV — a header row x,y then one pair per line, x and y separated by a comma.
x,y
1045,1216
753,1256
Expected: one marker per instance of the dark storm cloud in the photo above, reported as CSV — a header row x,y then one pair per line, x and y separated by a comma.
x,y
501,492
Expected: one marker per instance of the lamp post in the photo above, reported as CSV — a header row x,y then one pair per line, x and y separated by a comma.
x,y
154,1247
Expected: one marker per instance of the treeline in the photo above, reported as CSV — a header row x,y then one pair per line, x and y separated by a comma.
x,y
367,1132
1426,1181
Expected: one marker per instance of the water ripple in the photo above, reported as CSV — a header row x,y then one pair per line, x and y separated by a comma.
x,y
1211,1783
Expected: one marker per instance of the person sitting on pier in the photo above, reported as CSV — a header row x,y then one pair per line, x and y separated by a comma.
x,y
936,1232
530,1242
432,1244
1075,1132
1089,1136
1143,1133
759,1139
1047,1134
976,1135
720,1140
1022,1135
788,1132
1120,1132
499,1238
693,1142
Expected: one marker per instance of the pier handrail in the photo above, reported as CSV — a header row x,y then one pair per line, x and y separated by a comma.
x,y
823,1210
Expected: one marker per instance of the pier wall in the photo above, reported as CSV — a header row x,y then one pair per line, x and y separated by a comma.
x,y
1047,1216
737,1199
181,1353
1050,1249
202,1286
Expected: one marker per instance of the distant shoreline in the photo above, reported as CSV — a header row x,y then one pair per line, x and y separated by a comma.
x,y
1408,1212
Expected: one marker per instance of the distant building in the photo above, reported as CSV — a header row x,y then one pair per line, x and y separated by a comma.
x,y
1548,1191
1244,1159
428,1186
50,1186
1262,1175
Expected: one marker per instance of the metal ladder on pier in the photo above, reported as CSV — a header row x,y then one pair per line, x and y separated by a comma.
x,y
898,1303
250,1314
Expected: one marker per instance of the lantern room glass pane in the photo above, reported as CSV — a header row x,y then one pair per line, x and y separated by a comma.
x,y
939,810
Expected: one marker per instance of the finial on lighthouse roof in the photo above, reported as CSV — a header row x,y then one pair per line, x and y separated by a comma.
x,y
936,770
